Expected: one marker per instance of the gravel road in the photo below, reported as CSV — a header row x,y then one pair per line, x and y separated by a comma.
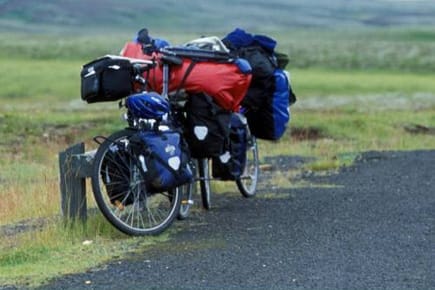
x,y
370,226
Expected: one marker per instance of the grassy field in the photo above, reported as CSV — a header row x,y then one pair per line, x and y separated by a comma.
x,y
355,93
219,15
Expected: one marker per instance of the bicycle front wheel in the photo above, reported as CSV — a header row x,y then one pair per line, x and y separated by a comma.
x,y
120,190
247,182
186,200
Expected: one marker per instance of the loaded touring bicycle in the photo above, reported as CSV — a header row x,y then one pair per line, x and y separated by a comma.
x,y
145,176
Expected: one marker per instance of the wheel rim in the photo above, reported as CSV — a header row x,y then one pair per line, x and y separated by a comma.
x,y
250,173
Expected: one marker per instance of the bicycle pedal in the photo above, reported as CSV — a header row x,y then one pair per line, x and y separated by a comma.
x,y
185,202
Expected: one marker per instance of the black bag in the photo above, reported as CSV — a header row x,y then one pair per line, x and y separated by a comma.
x,y
207,126
262,83
106,79
231,164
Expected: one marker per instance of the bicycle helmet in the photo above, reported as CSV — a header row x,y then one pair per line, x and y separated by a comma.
x,y
149,105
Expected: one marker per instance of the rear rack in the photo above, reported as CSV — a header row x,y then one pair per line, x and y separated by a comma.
x,y
198,54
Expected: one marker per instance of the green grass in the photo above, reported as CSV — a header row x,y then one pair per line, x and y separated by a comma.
x,y
50,80
401,50
350,131
326,82
82,47
352,99
34,257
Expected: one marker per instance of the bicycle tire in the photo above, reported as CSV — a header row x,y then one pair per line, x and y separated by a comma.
x,y
119,188
204,182
247,182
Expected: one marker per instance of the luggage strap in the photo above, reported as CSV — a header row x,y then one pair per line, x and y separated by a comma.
x,y
183,80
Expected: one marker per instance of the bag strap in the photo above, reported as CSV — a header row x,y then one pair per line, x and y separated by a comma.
x,y
186,74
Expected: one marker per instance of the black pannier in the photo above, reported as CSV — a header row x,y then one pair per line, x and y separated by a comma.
x,y
231,164
106,79
207,126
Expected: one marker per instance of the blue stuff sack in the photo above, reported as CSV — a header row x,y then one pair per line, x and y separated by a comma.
x,y
239,38
163,158
243,65
265,42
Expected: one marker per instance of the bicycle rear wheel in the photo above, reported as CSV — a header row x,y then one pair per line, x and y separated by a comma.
x,y
247,182
120,191
204,182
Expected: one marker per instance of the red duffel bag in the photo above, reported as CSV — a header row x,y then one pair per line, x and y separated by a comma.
x,y
223,81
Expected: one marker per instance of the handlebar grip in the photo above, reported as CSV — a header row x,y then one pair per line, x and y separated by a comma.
x,y
172,59
140,68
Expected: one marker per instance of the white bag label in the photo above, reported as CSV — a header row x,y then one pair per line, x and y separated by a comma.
x,y
224,158
200,132
174,162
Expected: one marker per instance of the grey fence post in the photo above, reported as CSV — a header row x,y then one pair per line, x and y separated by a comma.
x,y
73,183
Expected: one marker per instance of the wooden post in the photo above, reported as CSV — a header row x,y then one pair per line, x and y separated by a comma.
x,y
73,182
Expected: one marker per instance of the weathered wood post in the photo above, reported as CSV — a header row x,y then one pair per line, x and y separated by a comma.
x,y
74,167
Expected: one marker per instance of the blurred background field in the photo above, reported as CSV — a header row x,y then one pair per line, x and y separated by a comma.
x,y
363,72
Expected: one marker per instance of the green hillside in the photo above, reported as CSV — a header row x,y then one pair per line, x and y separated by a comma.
x,y
210,16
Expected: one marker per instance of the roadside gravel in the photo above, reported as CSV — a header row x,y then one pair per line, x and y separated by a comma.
x,y
369,226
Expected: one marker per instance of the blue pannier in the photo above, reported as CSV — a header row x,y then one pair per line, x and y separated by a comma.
x,y
163,158
280,104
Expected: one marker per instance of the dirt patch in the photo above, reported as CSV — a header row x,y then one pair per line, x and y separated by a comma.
x,y
23,226
419,129
284,162
64,133
309,133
